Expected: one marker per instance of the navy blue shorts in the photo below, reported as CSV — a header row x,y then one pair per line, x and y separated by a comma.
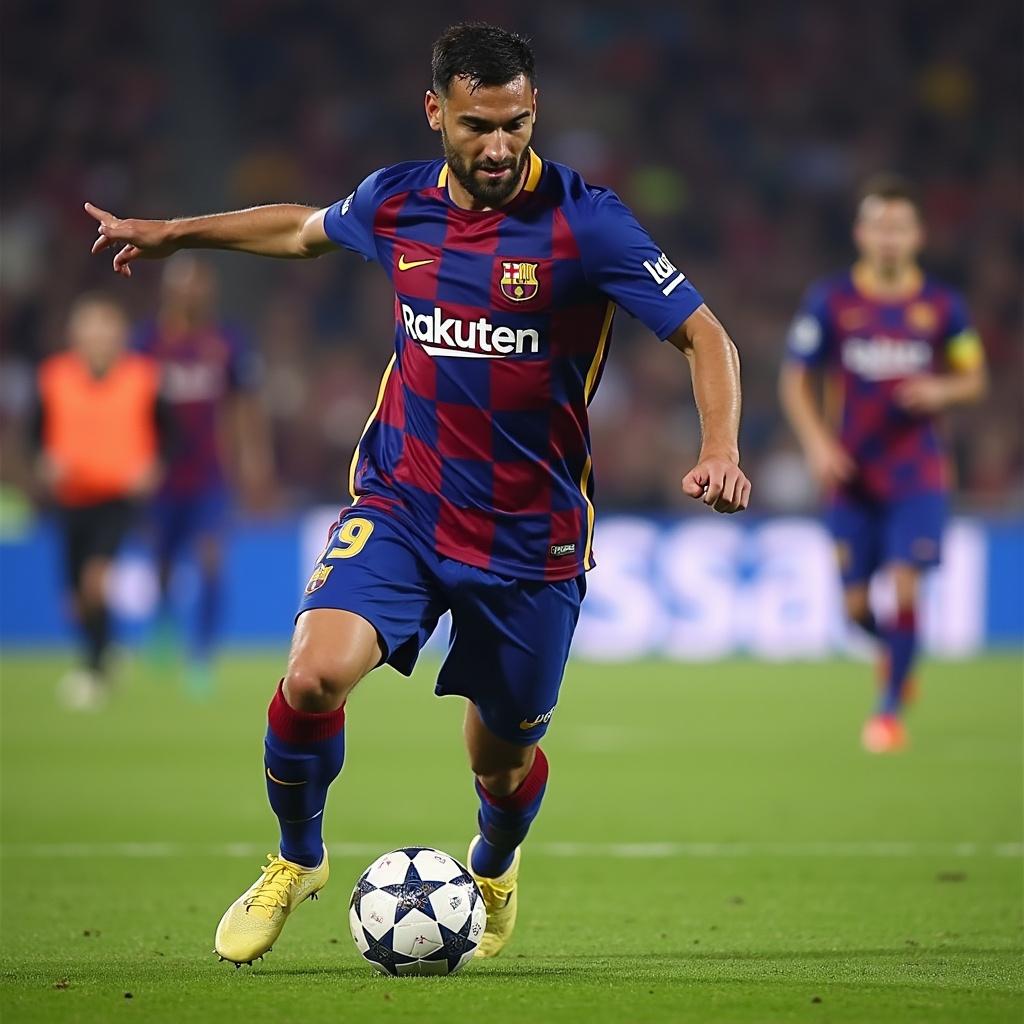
x,y
179,521
510,637
870,534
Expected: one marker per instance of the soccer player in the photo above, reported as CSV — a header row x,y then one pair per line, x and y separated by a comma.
x,y
209,378
472,483
897,347
101,429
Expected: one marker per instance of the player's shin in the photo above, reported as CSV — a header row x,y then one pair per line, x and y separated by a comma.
x,y
505,820
901,643
304,753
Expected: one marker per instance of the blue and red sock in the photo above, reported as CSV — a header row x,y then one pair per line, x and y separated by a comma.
x,y
303,755
901,644
505,820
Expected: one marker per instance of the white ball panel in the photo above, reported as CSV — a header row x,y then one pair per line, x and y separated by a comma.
x,y
476,929
450,904
389,869
435,866
416,935
422,967
355,926
377,912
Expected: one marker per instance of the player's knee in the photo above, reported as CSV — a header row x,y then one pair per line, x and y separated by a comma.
x,y
858,609
501,773
317,690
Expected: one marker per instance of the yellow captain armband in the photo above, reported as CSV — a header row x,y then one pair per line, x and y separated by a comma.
x,y
964,350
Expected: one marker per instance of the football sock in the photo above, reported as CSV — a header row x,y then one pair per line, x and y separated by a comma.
x,y
208,615
96,626
304,752
505,820
901,642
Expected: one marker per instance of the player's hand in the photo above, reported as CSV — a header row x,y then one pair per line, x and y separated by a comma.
x,y
143,239
831,463
720,483
921,395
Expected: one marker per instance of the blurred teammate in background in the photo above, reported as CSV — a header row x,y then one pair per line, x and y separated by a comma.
x,y
100,426
897,348
472,484
209,379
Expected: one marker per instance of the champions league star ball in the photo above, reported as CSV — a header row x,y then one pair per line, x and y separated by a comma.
x,y
417,911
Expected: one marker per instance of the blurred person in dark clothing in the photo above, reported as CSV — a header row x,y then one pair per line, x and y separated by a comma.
x,y
209,379
101,430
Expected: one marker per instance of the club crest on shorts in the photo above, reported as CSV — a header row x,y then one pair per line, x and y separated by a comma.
x,y
519,280
319,577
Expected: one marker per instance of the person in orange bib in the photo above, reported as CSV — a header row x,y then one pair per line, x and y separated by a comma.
x,y
102,432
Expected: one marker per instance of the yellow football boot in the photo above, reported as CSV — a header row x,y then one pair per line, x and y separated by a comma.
x,y
251,925
500,899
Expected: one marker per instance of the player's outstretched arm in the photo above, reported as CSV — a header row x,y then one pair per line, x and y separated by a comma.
x,y
830,463
715,368
284,230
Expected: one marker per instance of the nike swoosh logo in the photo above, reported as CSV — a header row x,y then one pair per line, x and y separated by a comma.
x,y
281,782
404,264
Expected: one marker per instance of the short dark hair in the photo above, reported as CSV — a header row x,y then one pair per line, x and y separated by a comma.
x,y
889,186
482,54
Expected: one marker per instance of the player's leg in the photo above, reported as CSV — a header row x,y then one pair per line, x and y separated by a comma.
x,y
510,642
912,544
365,602
854,525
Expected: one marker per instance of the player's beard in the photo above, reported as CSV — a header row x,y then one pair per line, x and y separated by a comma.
x,y
488,193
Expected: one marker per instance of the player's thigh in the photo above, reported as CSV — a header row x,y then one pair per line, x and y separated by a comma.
x,y
509,645
371,572
913,529
856,529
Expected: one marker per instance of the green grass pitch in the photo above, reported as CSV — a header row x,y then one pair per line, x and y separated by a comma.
x,y
714,847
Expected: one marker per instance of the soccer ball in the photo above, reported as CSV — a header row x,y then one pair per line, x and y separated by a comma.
x,y
417,911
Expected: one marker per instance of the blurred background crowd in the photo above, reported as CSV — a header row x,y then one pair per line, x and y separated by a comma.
x,y
737,131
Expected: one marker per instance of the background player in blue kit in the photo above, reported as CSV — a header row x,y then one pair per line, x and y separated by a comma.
x,y
209,382
897,347
472,484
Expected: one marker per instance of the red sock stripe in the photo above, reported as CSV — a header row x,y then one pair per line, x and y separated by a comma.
x,y
302,726
906,618
528,790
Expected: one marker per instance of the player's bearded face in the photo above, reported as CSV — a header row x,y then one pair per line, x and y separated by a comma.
x,y
487,180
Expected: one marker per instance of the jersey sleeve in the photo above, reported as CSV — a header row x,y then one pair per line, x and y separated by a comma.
x,y
621,260
810,334
963,348
349,222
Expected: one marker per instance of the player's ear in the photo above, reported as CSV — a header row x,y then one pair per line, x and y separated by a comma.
x,y
432,107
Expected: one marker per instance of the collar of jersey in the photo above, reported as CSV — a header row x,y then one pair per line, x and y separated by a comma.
x,y
530,185
863,284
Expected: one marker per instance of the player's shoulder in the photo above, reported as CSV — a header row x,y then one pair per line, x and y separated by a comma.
x,y
834,283
935,289
566,186
398,179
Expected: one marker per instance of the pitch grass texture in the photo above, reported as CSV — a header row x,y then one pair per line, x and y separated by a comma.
x,y
761,867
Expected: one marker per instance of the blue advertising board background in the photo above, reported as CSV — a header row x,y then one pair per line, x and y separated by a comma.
x,y
765,587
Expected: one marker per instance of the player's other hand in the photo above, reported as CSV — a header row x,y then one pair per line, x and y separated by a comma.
x,y
921,395
831,463
142,239
718,482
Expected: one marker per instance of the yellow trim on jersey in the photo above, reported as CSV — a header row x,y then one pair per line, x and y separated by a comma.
x,y
584,480
602,341
373,416
964,351
533,175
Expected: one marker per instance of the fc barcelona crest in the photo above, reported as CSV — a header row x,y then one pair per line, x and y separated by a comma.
x,y
519,280
319,578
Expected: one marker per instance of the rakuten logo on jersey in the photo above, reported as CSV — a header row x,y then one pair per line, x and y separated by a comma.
x,y
886,358
477,339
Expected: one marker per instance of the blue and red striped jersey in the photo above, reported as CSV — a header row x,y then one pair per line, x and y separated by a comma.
x,y
867,346
199,369
479,439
